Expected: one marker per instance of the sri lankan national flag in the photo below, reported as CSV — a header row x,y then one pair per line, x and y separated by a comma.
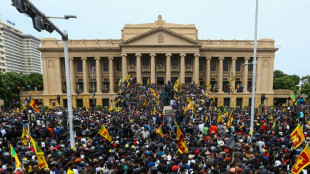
x,y
104,132
159,132
153,92
40,155
14,155
189,106
182,147
24,136
302,161
271,118
33,104
219,118
176,84
297,136
230,120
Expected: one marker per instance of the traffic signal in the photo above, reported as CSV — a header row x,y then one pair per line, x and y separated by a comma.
x,y
38,23
20,5
76,125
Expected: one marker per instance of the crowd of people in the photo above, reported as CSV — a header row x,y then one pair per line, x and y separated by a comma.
x,y
214,145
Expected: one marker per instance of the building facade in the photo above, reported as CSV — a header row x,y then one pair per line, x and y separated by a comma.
x,y
160,52
20,52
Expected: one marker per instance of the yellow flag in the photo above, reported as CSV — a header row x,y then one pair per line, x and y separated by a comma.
x,y
159,132
219,118
148,81
24,136
110,108
103,132
14,155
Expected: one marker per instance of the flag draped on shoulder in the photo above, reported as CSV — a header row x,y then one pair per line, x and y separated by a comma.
x,y
104,132
14,155
182,147
39,153
33,104
159,132
24,136
297,136
302,161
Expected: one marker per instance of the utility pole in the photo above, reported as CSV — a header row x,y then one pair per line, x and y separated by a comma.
x,y
41,22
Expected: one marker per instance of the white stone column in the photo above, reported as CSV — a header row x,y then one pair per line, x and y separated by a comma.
x,y
98,75
139,74
182,68
153,68
111,74
233,70
72,76
196,69
168,67
220,75
85,75
208,70
245,75
124,65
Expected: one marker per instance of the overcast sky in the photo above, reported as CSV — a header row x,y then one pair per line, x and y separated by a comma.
x,y
285,21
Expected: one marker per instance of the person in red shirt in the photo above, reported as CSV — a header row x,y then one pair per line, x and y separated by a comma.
x,y
213,129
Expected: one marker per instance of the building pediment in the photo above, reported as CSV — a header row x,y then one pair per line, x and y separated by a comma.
x,y
160,37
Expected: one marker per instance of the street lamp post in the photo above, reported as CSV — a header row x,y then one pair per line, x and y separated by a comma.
x,y
41,22
254,72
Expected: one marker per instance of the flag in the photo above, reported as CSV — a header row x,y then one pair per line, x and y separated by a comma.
x,y
176,84
110,108
24,136
154,111
148,81
141,83
219,118
40,155
14,155
153,92
17,110
293,97
271,118
274,125
57,104
182,147
189,106
120,82
117,101
302,161
24,107
103,132
127,78
33,104
297,136
230,120
117,109
232,76
159,131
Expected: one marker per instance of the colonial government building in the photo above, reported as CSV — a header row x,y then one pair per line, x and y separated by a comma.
x,y
160,52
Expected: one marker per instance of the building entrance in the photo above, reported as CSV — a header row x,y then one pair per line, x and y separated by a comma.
x,y
161,80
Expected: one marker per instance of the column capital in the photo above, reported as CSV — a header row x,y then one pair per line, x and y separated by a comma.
x,y
138,54
196,55
84,58
124,55
182,54
168,54
234,58
97,58
208,58
110,58
152,54
247,58
221,58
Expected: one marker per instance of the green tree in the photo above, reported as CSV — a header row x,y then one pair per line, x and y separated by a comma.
x,y
305,86
284,81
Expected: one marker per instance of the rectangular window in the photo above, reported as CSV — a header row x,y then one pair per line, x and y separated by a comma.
x,y
174,62
132,61
118,64
160,61
79,66
105,64
213,64
188,61
238,65
250,65
201,64
92,65
146,61
225,64
80,86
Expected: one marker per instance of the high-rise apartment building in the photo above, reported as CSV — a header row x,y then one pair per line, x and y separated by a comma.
x,y
18,51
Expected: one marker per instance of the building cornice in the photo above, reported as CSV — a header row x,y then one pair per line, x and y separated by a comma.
x,y
238,49
81,49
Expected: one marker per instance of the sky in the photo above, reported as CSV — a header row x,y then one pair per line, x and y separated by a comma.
x,y
285,21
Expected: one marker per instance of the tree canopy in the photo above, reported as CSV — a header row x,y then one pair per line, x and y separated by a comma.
x,y
285,81
11,83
